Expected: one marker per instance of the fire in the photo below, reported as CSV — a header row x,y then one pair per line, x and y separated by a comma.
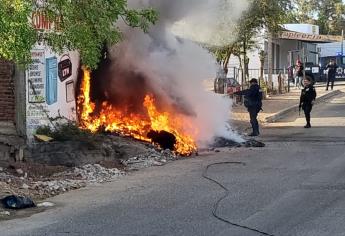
x,y
137,126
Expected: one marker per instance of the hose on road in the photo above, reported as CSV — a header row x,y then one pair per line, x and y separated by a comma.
x,y
226,194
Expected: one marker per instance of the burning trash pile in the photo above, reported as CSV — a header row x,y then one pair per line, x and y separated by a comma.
x,y
158,127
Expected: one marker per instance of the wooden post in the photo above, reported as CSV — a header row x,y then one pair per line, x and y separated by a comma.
x,y
270,61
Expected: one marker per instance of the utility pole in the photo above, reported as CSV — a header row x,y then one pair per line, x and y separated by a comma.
x,y
270,61
304,58
342,45
291,68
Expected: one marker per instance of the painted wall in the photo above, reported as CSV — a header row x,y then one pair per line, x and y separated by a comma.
x,y
50,87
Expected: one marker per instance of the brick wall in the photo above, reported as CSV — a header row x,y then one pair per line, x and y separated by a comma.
x,y
7,99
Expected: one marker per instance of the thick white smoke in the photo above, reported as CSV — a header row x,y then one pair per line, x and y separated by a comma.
x,y
171,56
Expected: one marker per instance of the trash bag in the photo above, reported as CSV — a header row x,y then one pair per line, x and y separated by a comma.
x,y
17,202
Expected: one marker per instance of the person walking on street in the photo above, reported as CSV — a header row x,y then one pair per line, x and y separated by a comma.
x,y
332,69
299,73
307,99
253,103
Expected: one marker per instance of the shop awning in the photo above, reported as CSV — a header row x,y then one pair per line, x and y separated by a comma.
x,y
291,35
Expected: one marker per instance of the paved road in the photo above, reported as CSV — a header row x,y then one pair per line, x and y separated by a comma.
x,y
294,186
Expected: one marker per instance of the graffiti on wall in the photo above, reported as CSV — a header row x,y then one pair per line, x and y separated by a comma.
x,y
36,116
36,75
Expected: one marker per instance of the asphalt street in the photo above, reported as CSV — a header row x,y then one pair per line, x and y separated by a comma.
x,y
294,186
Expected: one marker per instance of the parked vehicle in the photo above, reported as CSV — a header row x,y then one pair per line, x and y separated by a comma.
x,y
226,86
340,75
312,71
232,86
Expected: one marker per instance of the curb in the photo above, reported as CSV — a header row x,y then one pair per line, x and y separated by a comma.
x,y
281,114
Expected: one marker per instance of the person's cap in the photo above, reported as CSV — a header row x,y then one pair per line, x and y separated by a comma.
x,y
253,81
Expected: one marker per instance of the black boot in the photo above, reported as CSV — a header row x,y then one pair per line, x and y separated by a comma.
x,y
307,126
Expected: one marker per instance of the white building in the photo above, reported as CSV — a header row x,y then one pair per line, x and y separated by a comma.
x,y
330,49
297,41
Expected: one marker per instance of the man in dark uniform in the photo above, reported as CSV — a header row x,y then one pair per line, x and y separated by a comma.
x,y
307,99
253,102
332,69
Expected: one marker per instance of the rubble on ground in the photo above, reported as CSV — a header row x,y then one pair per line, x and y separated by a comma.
x,y
253,143
4,213
58,183
220,142
17,180
91,173
150,158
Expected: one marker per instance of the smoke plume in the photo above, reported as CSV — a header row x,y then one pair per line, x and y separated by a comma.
x,y
170,60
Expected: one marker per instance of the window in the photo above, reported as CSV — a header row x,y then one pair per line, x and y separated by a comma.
x,y
278,57
273,66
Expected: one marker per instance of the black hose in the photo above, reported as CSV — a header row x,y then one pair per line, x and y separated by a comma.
x,y
227,193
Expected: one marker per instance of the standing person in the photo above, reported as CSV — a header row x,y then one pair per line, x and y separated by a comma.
x,y
299,73
307,99
332,69
253,103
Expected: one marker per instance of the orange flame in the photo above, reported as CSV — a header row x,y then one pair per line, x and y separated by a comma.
x,y
134,125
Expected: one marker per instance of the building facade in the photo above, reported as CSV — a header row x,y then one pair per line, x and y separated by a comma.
x,y
296,41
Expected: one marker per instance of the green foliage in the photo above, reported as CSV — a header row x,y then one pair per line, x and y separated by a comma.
x,y
16,34
68,131
262,14
82,25
329,15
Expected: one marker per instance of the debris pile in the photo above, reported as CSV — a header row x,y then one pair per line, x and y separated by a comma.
x,y
54,187
220,142
58,183
253,143
151,158
93,173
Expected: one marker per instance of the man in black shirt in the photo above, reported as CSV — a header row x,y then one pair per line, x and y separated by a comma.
x,y
332,69
253,103
307,99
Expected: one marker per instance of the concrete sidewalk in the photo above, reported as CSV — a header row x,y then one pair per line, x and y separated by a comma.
x,y
278,106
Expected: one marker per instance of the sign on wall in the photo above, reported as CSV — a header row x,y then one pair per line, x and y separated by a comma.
x,y
309,37
36,76
65,67
70,96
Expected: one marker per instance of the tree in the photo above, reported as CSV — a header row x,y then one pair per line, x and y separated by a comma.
x,y
82,25
331,16
328,15
262,14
